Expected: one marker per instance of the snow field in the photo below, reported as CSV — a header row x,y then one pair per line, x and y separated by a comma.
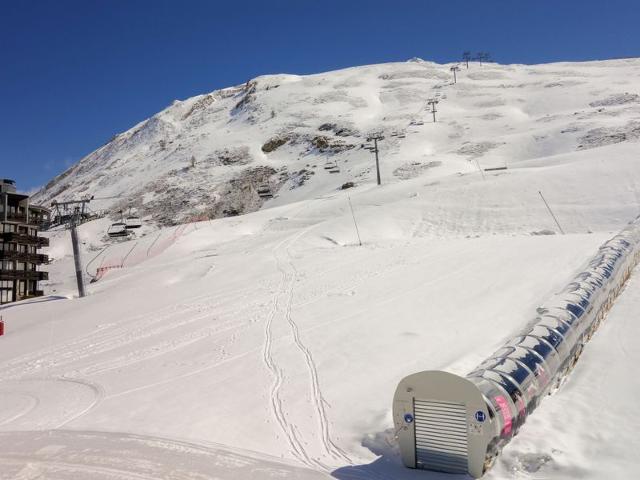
x,y
270,344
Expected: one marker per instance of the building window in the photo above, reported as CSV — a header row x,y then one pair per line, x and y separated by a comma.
x,y
5,296
7,265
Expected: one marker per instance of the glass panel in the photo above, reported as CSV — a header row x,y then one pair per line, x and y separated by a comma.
x,y
550,336
543,349
554,322
575,309
511,368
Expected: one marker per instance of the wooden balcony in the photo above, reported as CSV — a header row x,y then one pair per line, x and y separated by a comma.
x,y
16,217
35,293
23,275
36,258
21,218
25,239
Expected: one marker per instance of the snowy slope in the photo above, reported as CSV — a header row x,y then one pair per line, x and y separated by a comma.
x,y
270,344
282,130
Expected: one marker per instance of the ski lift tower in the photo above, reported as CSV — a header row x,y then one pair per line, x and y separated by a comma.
x,y
455,69
432,102
374,149
73,220
64,211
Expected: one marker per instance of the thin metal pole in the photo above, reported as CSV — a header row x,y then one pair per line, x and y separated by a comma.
x,y
375,142
354,220
76,254
479,168
551,212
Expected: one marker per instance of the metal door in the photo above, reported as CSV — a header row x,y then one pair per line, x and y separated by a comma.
x,y
441,436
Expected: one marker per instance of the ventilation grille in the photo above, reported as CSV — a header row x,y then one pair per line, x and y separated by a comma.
x,y
441,436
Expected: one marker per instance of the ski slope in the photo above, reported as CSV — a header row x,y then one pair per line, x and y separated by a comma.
x,y
269,345
207,156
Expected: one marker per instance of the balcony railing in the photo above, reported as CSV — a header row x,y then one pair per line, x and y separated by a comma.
x,y
34,293
16,217
23,275
36,258
25,239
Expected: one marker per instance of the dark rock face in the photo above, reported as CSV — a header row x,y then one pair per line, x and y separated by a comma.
x,y
340,131
180,196
618,99
234,156
319,142
599,137
299,178
274,144
247,107
326,145
414,169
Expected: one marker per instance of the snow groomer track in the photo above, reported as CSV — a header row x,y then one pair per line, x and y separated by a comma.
x,y
459,425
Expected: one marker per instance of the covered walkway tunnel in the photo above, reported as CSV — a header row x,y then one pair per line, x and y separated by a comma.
x,y
455,424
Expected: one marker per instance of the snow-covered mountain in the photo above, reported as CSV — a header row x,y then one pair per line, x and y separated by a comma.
x,y
207,156
269,345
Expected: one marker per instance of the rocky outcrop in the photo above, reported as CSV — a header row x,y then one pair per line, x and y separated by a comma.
x,y
274,144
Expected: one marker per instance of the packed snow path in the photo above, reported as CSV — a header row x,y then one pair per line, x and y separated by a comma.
x,y
83,455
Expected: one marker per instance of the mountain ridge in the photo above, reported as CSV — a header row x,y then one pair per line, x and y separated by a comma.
x,y
207,156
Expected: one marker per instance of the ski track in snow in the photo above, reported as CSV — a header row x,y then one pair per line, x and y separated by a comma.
x,y
281,312
318,400
288,429
52,402
108,339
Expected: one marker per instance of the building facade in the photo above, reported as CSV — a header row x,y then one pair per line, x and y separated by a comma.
x,y
20,259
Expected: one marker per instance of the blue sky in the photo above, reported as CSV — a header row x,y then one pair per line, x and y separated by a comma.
x,y
74,73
